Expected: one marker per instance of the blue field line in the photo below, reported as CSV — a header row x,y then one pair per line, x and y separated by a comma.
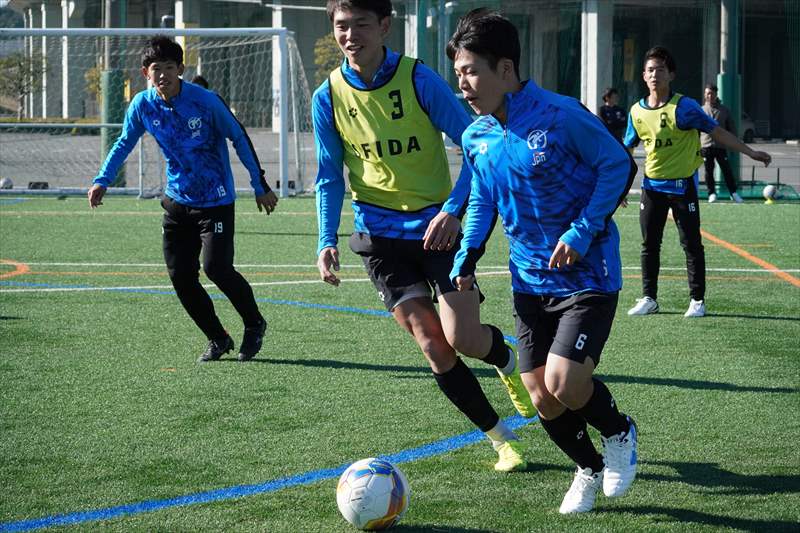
x,y
345,309
42,285
11,201
148,506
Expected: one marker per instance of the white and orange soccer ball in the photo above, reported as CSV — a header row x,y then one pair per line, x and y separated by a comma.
x,y
372,494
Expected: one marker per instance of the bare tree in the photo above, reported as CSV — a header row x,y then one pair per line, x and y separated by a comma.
x,y
20,76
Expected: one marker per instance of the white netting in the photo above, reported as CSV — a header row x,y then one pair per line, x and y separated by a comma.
x,y
48,79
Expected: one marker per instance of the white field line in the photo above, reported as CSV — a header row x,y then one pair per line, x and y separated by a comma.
x,y
487,271
164,287
490,269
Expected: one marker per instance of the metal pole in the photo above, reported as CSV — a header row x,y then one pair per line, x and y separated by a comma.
x,y
295,124
284,116
422,26
44,62
729,81
107,40
141,167
65,61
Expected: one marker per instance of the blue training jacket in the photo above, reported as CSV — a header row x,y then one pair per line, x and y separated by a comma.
x,y
553,172
446,114
191,130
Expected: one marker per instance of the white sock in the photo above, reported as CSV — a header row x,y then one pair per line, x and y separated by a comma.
x,y
500,433
511,365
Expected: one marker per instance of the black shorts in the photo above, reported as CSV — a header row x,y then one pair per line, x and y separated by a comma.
x,y
188,230
401,269
575,327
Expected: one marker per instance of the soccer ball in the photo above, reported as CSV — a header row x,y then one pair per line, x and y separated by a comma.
x,y
372,494
6,183
770,193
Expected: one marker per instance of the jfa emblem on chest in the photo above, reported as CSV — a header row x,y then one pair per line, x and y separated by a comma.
x,y
537,142
195,123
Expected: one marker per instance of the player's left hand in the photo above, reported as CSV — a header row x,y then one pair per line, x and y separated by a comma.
x,y
267,202
442,232
563,255
624,201
764,157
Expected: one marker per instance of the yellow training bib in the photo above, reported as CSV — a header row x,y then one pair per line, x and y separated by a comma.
x,y
672,153
394,155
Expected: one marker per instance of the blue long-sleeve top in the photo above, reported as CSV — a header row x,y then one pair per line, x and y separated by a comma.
x,y
446,114
552,172
191,130
688,115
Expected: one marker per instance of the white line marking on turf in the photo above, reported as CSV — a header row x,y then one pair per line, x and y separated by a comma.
x,y
165,287
490,269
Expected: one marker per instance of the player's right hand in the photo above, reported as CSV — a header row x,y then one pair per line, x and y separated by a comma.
x,y
327,261
464,283
96,194
764,157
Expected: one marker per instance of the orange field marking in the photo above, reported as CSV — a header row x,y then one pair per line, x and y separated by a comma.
x,y
785,276
19,269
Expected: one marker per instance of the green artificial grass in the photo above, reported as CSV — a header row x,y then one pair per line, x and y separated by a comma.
x,y
102,403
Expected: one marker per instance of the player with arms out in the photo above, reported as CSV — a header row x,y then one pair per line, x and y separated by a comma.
x,y
668,123
382,116
191,125
552,172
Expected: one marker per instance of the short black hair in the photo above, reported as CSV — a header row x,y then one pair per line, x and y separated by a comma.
x,y
712,87
162,48
200,80
488,34
661,53
382,8
608,93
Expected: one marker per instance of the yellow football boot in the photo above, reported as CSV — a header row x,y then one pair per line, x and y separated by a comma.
x,y
511,455
516,390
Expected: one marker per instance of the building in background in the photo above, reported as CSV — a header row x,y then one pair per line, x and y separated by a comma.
x,y
576,47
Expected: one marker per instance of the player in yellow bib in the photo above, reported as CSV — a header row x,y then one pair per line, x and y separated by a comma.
x,y
381,115
668,124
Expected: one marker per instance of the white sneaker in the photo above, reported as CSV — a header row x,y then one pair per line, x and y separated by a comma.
x,y
619,456
736,198
644,306
582,493
712,198
697,308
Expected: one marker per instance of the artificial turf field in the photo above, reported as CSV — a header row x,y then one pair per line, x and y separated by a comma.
x,y
109,424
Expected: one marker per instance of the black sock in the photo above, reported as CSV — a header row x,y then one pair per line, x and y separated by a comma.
x,y
602,413
498,353
570,433
461,387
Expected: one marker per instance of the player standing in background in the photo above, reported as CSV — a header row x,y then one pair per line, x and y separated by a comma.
x,y
668,124
555,175
191,126
382,116
711,152
612,115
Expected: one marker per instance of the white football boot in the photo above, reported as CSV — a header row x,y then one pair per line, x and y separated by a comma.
x,y
644,306
620,458
583,491
697,308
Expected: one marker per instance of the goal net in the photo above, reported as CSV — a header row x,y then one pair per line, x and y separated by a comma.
x,y
64,93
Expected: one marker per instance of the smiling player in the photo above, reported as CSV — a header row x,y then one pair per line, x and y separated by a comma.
x,y
191,126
